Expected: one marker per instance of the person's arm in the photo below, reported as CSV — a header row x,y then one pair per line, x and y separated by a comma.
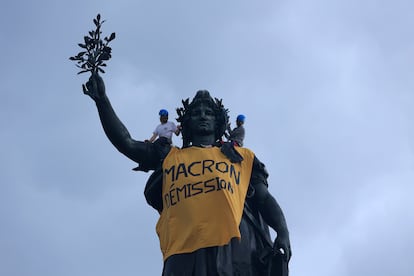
x,y
114,129
152,139
177,130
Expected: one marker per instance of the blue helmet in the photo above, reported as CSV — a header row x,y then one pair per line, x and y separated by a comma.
x,y
241,118
163,112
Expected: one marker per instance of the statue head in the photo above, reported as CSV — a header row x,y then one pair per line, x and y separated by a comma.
x,y
203,116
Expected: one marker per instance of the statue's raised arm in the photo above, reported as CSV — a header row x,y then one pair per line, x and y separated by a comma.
x,y
115,130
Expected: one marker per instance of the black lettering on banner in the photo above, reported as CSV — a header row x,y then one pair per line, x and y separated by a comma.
x,y
183,188
235,174
181,170
211,187
172,196
178,194
230,187
218,184
195,188
188,190
222,184
170,170
167,200
190,171
207,164
199,170
222,167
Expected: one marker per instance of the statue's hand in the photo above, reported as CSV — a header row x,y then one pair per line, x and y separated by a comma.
x,y
95,87
282,244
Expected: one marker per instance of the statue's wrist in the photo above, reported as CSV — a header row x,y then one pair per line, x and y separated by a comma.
x,y
101,100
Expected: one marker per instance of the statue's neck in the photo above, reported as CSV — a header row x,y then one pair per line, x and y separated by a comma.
x,y
204,140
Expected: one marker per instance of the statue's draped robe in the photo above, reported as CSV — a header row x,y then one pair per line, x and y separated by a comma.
x,y
239,256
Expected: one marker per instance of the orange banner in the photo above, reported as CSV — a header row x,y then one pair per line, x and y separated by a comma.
x,y
203,197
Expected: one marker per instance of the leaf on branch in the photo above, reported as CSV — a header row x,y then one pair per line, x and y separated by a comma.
x,y
112,37
87,40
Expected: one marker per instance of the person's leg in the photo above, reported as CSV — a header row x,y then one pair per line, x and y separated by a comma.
x,y
162,146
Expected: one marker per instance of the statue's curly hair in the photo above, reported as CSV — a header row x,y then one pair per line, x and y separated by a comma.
x,y
184,114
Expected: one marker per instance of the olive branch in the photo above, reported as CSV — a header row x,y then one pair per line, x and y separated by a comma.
x,y
95,51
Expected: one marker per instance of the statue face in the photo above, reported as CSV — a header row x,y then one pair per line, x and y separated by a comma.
x,y
202,120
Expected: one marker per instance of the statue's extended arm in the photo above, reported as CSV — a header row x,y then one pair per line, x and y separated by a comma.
x,y
113,127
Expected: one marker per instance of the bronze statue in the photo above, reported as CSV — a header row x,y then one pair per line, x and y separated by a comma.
x,y
212,197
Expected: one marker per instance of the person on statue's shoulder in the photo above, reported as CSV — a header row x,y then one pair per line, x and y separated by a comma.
x,y
165,129
205,192
236,135
164,132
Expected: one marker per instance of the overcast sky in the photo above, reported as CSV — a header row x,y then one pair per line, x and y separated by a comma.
x,y
326,86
